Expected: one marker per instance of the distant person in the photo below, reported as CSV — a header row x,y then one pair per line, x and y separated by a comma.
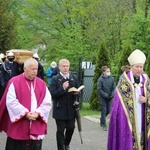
x,y
49,71
56,71
106,86
125,68
9,69
129,125
2,60
40,73
64,111
25,109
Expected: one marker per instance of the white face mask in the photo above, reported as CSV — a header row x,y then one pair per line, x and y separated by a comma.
x,y
108,74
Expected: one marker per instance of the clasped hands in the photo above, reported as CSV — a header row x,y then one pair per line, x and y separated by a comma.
x,y
142,99
32,116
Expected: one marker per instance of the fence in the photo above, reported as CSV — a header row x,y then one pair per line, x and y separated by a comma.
x,y
88,83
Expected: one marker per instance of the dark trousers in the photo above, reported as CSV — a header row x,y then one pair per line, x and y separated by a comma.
x,y
65,129
12,144
105,110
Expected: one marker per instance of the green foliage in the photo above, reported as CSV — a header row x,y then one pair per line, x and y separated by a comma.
x,y
61,25
86,110
123,57
8,14
71,29
140,31
110,18
147,70
101,60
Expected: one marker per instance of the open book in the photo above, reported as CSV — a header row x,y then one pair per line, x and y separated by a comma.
x,y
73,89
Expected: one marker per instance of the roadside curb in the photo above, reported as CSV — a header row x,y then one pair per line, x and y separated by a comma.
x,y
93,119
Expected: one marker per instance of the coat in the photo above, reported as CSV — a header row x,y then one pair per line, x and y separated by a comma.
x,y
63,101
106,87
8,71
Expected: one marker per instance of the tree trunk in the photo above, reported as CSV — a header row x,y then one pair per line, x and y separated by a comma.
x,y
146,8
134,6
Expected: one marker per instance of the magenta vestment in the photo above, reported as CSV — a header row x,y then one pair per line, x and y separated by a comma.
x,y
21,129
123,134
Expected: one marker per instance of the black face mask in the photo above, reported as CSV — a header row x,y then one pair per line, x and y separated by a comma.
x,y
36,59
11,59
3,59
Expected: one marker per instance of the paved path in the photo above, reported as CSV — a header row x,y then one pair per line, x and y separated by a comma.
x,y
94,138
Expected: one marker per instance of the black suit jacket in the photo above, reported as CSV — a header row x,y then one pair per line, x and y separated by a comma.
x,y
63,101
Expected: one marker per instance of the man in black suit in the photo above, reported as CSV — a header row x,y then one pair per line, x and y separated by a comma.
x,y
63,104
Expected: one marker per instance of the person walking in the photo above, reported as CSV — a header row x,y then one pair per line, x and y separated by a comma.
x,y
2,60
49,71
55,71
129,126
105,86
40,72
25,107
64,111
9,69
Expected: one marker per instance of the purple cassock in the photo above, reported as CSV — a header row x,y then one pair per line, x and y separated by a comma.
x,y
124,132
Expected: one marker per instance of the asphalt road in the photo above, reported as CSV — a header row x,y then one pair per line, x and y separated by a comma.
x,y
94,138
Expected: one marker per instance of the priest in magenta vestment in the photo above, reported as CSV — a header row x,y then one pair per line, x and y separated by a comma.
x,y
25,107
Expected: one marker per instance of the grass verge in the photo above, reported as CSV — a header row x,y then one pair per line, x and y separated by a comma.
x,y
86,110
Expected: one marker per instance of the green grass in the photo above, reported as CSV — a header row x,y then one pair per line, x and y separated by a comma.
x,y
86,110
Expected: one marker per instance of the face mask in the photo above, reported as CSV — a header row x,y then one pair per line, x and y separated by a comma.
x,y
3,59
108,74
10,59
36,59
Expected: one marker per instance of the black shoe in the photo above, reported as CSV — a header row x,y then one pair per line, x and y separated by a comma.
x,y
104,128
67,148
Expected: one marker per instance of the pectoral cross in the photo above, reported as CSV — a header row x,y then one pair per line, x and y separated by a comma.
x,y
136,85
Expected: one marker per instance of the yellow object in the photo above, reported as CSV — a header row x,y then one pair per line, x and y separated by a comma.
x,y
20,55
73,89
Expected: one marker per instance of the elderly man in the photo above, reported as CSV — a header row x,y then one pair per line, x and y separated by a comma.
x,y
63,108
25,108
130,116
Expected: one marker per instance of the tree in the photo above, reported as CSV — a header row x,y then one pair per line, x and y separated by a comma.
x,y
134,5
8,15
61,25
110,18
140,31
147,2
101,60
147,67
124,57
